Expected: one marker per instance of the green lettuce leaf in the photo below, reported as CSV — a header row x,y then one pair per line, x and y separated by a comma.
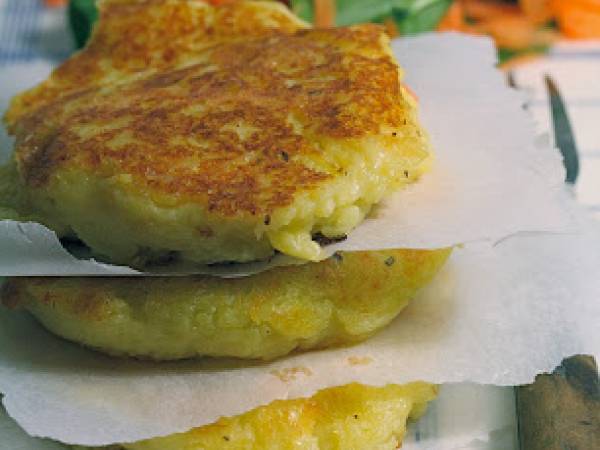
x,y
82,16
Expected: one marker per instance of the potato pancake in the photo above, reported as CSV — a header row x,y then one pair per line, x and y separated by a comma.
x,y
139,37
225,144
338,301
350,417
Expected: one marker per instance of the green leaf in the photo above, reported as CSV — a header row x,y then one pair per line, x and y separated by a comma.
x,y
412,16
303,9
349,12
82,16
506,54
419,16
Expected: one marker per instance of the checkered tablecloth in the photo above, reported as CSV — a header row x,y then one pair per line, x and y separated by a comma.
x,y
29,31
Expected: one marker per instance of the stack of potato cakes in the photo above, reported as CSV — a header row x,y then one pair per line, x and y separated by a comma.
x,y
211,134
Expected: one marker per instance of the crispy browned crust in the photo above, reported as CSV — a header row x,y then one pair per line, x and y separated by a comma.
x,y
222,130
136,36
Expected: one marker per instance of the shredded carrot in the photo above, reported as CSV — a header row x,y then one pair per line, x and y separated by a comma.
x,y
488,9
517,32
592,5
324,13
454,19
52,3
578,19
508,24
391,28
538,11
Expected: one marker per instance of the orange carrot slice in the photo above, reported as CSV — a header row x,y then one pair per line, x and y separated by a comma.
x,y
488,9
454,18
53,3
538,11
324,13
517,32
578,19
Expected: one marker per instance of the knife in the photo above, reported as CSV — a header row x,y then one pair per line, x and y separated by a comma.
x,y
563,132
561,410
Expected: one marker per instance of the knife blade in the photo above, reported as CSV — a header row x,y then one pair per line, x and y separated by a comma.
x,y
563,132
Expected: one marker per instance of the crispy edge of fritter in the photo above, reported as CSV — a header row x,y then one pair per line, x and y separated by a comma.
x,y
334,416
339,301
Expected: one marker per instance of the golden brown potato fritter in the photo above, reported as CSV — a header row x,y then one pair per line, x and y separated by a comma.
x,y
342,300
225,144
351,417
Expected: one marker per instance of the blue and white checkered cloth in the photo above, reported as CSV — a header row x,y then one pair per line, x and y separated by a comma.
x,y
30,31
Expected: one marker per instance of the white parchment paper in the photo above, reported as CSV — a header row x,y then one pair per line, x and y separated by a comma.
x,y
490,180
495,315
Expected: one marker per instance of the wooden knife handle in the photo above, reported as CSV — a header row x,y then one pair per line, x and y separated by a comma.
x,y
561,411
